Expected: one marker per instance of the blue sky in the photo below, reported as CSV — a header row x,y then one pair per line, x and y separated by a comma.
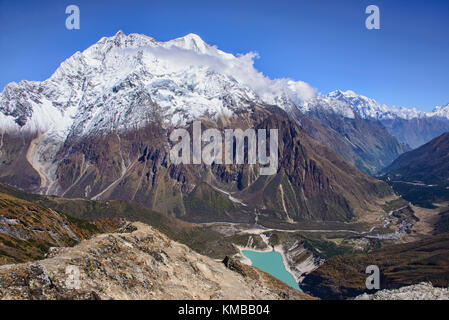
x,y
322,42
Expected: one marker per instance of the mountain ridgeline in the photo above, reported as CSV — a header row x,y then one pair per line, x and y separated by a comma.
x,y
421,176
71,137
409,126
428,164
312,182
363,142
99,129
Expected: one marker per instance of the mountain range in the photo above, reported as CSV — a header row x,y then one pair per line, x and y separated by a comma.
x,y
98,128
87,151
409,126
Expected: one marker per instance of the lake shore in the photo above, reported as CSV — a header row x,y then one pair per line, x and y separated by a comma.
x,y
279,249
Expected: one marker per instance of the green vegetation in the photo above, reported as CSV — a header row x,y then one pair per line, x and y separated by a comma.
x,y
321,245
204,197
394,204
84,215
29,237
243,240
325,248
201,239
423,196
82,224
344,275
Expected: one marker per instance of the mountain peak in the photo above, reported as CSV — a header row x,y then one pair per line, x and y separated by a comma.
x,y
193,36
191,41
370,108
347,94
350,93
119,33
444,107
441,111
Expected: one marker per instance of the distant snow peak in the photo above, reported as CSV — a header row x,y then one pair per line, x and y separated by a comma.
x,y
323,104
190,42
441,112
369,108
119,34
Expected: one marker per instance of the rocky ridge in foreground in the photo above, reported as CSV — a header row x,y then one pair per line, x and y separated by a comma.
x,y
422,291
137,262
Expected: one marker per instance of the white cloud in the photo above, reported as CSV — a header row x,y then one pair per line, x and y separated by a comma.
x,y
240,67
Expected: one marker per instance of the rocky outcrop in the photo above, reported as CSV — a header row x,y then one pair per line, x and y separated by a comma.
x,y
301,259
136,262
422,291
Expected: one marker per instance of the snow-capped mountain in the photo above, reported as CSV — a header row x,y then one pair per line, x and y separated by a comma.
x,y
119,81
328,104
369,108
122,81
363,141
409,126
99,128
441,112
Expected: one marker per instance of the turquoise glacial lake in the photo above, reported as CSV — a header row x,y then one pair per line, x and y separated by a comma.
x,y
272,263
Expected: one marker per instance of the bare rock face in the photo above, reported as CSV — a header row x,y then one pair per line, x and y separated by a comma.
x,y
422,291
136,262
